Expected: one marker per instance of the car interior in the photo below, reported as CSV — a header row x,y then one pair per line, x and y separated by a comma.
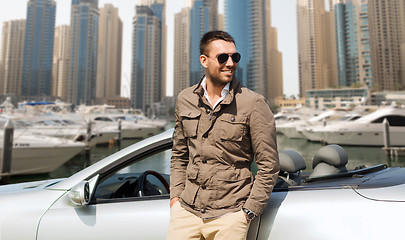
x,y
145,177
149,176
328,164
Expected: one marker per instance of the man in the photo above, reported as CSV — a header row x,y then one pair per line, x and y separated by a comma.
x,y
220,128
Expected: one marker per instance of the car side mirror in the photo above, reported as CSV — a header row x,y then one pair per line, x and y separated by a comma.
x,y
80,194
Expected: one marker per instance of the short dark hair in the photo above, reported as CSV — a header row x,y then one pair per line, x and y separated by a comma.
x,y
212,36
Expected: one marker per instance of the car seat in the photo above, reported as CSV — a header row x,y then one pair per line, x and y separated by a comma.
x,y
291,163
330,159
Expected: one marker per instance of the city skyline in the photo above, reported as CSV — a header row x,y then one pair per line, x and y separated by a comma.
x,y
280,9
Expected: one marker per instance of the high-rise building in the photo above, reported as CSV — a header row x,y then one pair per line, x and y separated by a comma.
x,y
83,40
197,18
38,48
387,41
12,53
249,22
60,61
352,42
109,54
316,46
159,9
275,86
181,71
237,23
148,64
203,18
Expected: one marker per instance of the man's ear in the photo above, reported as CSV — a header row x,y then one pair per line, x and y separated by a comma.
x,y
203,61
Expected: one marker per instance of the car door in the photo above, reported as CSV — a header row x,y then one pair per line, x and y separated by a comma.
x,y
117,210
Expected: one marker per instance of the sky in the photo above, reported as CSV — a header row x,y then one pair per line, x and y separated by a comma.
x,y
283,18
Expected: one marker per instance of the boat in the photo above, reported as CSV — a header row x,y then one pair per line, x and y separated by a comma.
x,y
57,126
130,128
134,124
367,130
35,154
288,115
293,129
311,133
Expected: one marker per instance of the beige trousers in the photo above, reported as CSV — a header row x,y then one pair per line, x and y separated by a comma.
x,y
185,225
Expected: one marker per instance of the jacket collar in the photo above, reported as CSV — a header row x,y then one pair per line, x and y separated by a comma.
x,y
233,89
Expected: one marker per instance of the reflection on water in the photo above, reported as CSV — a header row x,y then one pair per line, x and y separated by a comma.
x,y
357,156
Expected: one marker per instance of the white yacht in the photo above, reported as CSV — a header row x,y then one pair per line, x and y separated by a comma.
x,y
130,128
293,129
34,154
56,126
311,132
133,123
367,130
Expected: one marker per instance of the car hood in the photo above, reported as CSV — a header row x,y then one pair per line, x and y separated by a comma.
x,y
27,186
22,205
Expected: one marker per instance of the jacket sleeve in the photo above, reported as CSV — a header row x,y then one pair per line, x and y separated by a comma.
x,y
179,159
264,145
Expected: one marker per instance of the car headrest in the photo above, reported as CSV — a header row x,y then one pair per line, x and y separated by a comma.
x,y
332,154
291,161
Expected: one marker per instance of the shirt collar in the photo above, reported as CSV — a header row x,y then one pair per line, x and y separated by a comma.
x,y
224,92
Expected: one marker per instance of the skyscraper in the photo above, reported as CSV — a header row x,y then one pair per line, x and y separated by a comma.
x,y
387,41
60,61
203,18
197,18
238,20
13,38
352,42
109,54
147,81
83,40
181,71
275,86
316,46
159,9
38,48
249,22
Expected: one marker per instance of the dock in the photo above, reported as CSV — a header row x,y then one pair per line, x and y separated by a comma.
x,y
395,151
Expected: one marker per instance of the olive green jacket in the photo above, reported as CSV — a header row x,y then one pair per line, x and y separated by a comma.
x,y
213,151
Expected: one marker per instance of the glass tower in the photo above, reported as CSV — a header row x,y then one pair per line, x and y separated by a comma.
x,y
248,21
352,41
203,18
237,22
147,82
38,48
83,42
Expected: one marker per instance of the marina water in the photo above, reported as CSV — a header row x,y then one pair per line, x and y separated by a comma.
x,y
357,156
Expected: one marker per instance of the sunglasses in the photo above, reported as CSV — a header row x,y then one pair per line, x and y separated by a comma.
x,y
223,57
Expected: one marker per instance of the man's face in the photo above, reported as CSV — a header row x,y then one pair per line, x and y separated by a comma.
x,y
219,73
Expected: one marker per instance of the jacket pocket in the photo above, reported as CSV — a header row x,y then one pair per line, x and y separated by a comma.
x,y
233,128
233,187
190,120
191,187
